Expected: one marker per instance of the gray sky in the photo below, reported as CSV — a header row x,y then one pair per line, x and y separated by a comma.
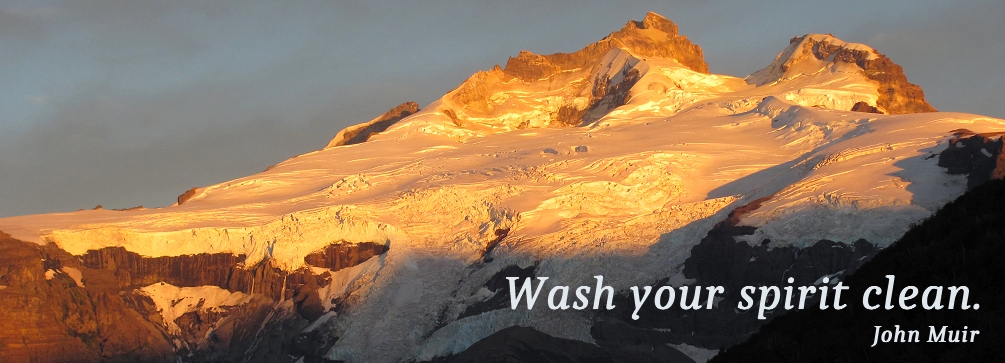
x,y
124,103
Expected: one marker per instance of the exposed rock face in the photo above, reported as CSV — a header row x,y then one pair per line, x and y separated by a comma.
x,y
188,194
979,156
489,247
606,96
865,107
500,286
360,133
654,36
57,307
337,256
226,270
49,317
961,245
896,94
223,333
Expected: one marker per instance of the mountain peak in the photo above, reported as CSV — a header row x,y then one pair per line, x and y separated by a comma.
x,y
654,21
657,36
570,88
654,36
814,53
823,46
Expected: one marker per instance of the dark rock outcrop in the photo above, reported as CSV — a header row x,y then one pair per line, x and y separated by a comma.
x,y
226,270
500,286
961,245
491,245
314,343
224,333
45,316
862,106
361,133
719,260
979,156
606,96
337,256
188,194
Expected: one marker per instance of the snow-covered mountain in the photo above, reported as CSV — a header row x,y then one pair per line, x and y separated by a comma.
x,y
626,159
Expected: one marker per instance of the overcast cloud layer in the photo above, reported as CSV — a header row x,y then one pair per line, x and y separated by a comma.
x,y
125,103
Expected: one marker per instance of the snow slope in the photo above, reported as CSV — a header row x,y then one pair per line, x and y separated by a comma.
x,y
626,196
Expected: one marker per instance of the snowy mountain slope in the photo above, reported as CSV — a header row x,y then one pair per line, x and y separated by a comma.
x,y
616,163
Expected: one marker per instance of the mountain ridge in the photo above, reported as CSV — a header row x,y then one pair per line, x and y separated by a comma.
x,y
587,85
637,168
